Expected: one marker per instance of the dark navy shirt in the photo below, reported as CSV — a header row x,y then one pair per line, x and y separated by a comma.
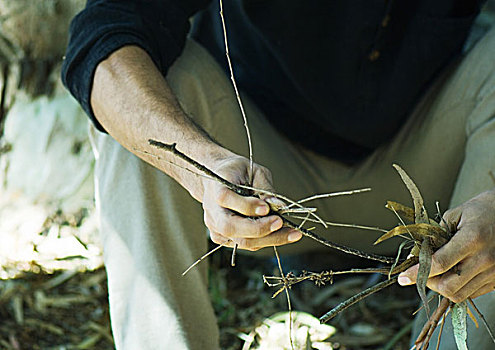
x,y
337,76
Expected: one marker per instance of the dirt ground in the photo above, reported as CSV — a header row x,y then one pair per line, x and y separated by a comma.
x,y
68,308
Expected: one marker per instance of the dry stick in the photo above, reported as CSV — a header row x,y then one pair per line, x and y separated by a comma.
x,y
442,321
356,298
205,256
239,101
332,194
173,149
244,190
279,196
483,319
286,288
313,275
337,224
241,107
425,334
342,248
365,293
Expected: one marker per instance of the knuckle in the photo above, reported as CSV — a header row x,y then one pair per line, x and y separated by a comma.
x,y
215,238
225,228
456,298
488,258
207,220
440,261
477,237
446,289
266,172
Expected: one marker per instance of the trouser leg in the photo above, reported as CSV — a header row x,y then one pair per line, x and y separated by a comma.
x,y
430,147
473,81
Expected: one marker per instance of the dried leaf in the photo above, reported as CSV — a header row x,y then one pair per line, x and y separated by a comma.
x,y
472,317
420,214
459,312
403,211
425,254
418,232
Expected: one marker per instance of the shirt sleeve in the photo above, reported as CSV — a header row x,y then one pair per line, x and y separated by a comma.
x,y
159,27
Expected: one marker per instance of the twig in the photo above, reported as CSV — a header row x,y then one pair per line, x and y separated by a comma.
x,y
356,298
234,253
284,198
206,255
286,288
173,149
239,101
483,319
337,224
320,278
244,190
342,248
367,292
424,336
442,321
332,194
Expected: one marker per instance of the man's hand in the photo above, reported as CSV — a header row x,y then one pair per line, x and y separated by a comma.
x,y
243,220
465,266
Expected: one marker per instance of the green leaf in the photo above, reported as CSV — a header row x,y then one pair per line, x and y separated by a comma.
x,y
459,313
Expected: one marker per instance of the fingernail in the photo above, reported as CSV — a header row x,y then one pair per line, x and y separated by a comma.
x,y
262,210
294,236
404,281
277,224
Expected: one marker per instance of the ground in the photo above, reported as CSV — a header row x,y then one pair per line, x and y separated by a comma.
x,y
45,305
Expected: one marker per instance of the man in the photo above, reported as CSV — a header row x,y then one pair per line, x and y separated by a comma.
x,y
335,92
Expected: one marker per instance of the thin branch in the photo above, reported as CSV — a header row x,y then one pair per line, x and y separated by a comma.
x,y
244,190
342,248
239,101
483,319
286,288
206,255
332,194
356,298
321,278
282,197
173,149
424,336
367,292
337,224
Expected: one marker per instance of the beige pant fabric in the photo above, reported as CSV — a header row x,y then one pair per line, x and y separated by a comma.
x,y
152,230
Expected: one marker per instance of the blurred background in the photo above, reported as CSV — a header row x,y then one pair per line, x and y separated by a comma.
x,y
52,283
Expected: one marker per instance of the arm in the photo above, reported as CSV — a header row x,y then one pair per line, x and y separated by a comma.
x,y
132,101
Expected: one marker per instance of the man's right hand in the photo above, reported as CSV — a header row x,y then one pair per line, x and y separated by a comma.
x,y
245,221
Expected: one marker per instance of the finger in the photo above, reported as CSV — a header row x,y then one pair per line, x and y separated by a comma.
x,y
464,277
262,179
487,288
281,237
458,248
249,206
221,240
230,225
451,218
479,281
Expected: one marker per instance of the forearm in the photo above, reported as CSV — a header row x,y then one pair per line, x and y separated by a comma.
x,y
134,103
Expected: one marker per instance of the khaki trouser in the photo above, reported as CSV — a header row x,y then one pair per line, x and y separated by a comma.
x,y
152,230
